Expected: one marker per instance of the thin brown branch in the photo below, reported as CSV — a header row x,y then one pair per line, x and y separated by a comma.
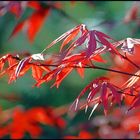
x,y
86,67
126,58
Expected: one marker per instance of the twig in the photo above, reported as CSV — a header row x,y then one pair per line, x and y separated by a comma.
x,y
126,58
86,67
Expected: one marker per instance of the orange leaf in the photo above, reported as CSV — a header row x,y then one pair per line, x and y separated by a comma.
x,y
60,77
17,29
11,61
81,72
21,73
85,135
35,22
21,65
36,72
34,4
98,58
16,8
69,38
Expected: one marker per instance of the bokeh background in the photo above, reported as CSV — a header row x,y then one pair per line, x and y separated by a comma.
x,y
106,16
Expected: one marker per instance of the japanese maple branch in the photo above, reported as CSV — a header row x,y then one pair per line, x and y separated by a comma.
x,y
92,67
97,99
86,67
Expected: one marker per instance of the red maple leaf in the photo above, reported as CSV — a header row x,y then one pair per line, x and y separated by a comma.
x,y
108,91
28,121
32,24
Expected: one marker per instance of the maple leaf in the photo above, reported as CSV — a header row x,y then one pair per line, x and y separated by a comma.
x,y
82,135
91,44
107,91
80,61
21,65
37,71
17,68
128,44
135,103
61,75
77,61
132,14
131,122
3,60
130,82
14,7
12,63
29,121
94,37
104,97
34,4
32,24
80,71
97,58
94,87
17,131
68,36
80,40
103,40
35,22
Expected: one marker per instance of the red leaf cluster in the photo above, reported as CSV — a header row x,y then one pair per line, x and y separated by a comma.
x,y
107,92
32,24
82,135
80,50
15,7
28,121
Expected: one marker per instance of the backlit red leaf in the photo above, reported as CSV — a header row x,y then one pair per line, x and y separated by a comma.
x,y
16,8
91,44
81,72
81,39
101,34
60,76
69,38
17,28
21,65
104,97
98,58
135,103
35,22
3,60
116,95
32,24
105,42
36,72
34,4
63,36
